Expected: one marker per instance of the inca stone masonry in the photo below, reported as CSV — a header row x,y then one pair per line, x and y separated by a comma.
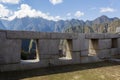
x,y
80,48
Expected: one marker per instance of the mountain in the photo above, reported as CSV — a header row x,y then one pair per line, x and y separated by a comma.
x,y
101,24
30,24
103,19
2,26
40,24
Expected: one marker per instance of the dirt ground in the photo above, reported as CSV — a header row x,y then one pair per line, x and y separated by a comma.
x,y
91,71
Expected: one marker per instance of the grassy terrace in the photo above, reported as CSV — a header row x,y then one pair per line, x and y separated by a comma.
x,y
92,71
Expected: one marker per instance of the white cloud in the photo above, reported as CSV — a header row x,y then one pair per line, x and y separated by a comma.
x,y
26,10
4,12
68,14
54,2
79,14
107,9
10,1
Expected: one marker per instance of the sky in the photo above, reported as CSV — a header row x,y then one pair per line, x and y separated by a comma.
x,y
59,9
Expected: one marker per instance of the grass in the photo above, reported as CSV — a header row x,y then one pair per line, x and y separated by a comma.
x,y
92,71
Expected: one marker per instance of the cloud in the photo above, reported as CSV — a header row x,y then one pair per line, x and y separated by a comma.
x,y
68,14
79,14
10,1
26,10
54,2
107,9
4,12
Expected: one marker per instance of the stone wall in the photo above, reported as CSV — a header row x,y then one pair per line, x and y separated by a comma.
x,y
84,48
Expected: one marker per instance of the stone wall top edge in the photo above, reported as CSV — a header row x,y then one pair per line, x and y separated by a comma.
x,y
39,35
56,35
102,36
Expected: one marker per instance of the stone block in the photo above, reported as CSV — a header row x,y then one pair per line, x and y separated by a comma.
x,y
80,43
84,53
100,44
94,36
47,46
51,56
94,59
10,51
44,35
23,35
84,59
60,62
118,42
76,57
54,46
104,44
103,53
43,46
2,35
23,66
114,51
64,36
90,59
109,35
3,30
118,51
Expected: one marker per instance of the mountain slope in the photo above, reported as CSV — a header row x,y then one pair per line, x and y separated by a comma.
x,y
101,24
2,26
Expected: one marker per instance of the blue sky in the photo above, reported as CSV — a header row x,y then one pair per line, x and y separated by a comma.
x,y
59,9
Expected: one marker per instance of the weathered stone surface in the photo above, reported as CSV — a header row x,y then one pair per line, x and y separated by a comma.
x,y
94,36
44,35
48,46
54,46
23,35
43,46
2,30
80,43
23,66
90,59
114,51
84,60
100,44
10,51
108,35
84,53
118,42
103,53
60,62
2,35
41,35
84,48
104,44
63,35
118,51
102,36
51,56
76,57
94,59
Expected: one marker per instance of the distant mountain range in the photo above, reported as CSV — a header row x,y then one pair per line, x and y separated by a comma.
x,y
101,24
